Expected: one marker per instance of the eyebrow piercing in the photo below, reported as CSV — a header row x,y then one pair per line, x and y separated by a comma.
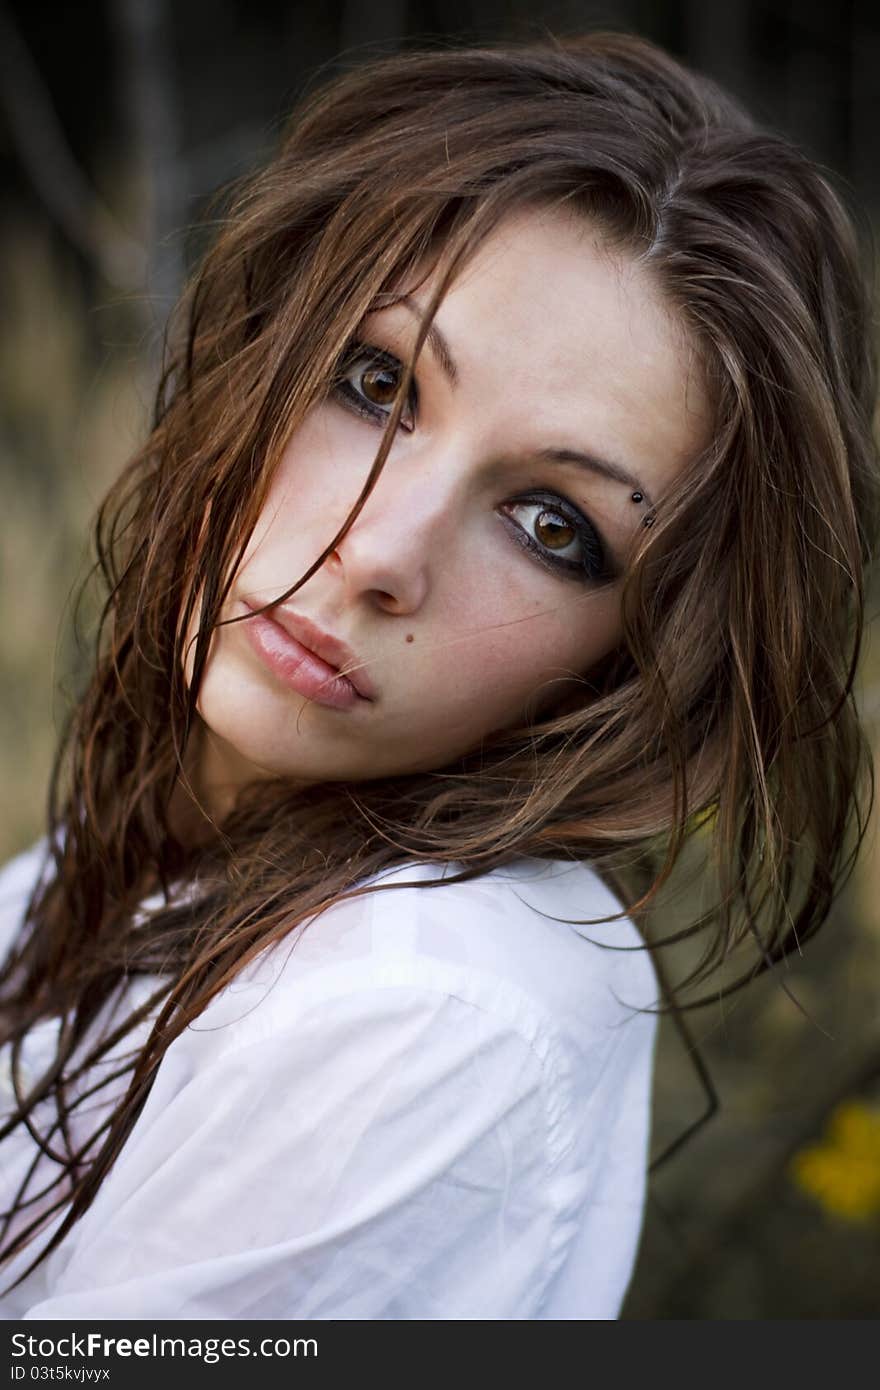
x,y
639,497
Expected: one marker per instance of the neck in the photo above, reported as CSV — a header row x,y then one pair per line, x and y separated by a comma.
x,y
205,794
205,791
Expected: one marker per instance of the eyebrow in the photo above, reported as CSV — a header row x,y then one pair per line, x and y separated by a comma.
x,y
604,467
435,339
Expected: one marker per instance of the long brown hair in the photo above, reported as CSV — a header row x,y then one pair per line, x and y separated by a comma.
x,y
731,690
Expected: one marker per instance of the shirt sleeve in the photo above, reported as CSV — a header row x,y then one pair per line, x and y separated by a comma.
x,y
389,1154
18,878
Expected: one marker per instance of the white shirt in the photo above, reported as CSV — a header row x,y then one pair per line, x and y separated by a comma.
x,y
424,1104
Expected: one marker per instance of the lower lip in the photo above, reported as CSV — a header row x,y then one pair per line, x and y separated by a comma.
x,y
297,667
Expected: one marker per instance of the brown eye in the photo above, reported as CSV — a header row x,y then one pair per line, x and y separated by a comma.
x,y
380,385
559,535
369,383
554,531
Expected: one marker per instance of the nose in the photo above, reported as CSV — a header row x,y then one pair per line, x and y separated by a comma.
x,y
390,555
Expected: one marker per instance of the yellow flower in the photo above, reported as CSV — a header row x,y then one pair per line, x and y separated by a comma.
x,y
842,1171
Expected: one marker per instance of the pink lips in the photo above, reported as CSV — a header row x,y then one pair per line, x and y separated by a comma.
x,y
307,659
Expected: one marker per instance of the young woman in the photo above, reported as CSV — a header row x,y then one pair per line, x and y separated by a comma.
x,y
507,510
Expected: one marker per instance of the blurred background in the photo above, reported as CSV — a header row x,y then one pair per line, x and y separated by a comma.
x,y
117,123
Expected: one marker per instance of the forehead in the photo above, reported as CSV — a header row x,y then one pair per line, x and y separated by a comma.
x,y
567,342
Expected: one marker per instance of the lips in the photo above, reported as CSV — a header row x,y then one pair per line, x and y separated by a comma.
x,y
330,650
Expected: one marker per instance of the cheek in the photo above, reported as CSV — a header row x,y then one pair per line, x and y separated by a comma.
x,y
527,661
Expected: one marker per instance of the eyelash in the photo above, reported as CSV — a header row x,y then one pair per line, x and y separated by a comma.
x,y
374,357
593,568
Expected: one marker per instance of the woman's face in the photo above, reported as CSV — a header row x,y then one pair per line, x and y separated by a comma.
x,y
482,576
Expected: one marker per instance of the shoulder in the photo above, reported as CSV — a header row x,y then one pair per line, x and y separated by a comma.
x,y
520,946
543,943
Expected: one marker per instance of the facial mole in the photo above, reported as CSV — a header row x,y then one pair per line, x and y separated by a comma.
x,y
409,637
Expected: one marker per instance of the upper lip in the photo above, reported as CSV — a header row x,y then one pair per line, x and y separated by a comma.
x,y
330,649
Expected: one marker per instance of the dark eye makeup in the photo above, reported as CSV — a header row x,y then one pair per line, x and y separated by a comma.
x,y
565,527
381,367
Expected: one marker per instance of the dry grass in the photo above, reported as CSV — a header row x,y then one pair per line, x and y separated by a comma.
x,y
72,409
